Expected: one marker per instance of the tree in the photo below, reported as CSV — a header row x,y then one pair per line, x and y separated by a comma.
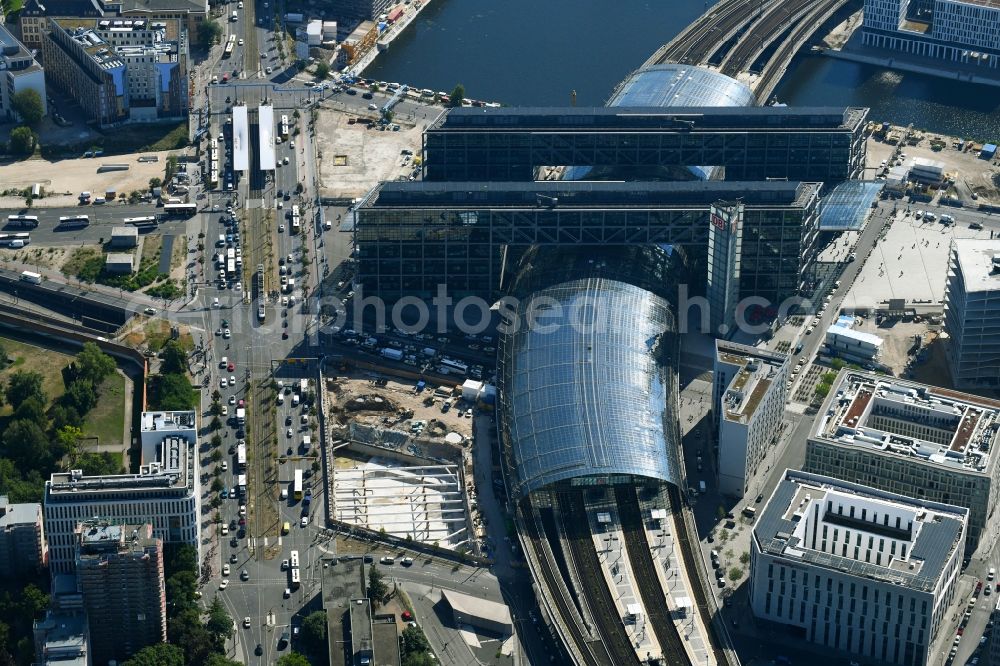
x,y
216,659
32,409
22,141
822,390
173,358
744,558
216,441
293,659
216,485
219,623
27,445
456,96
216,424
174,392
215,408
28,105
322,70
93,364
187,632
216,455
67,438
80,395
735,574
64,415
216,396
22,385
158,654
314,633
378,591
155,182
100,464
209,31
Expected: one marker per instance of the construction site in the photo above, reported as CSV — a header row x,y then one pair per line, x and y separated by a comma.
x,y
399,458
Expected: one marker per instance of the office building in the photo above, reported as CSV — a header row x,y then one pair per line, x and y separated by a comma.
x,y
119,70
34,14
962,31
912,439
864,571
165,493
22,539
812,144
18,71
119,570
411,237
972,313
749,396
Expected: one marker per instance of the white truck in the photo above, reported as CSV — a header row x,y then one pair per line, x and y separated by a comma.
x,y
33,278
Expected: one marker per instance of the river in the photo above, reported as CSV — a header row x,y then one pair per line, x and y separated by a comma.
x,y
526,52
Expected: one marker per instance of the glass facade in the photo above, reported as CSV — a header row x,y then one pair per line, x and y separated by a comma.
x,y
751,143
592,394
411,237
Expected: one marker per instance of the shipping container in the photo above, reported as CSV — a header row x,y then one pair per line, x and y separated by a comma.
x,y
394,354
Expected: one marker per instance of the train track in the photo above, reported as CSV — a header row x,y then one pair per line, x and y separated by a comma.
x,y
697,44
602,606
775,68
553,583
643,570
764,32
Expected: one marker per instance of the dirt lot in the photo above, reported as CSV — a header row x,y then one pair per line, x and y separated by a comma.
x,y
385,405
353,158
65,179
43,257
973,174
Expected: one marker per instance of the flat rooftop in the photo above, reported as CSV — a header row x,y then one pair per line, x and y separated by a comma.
x,y
919,537
905,418
12,515
758,370
976,260
650,118
362,645
173,469
343,580
593,194
169,421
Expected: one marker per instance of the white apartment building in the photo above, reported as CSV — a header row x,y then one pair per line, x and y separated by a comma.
x,y
972,313
749,395
912,439
18,71
864,571
963,31
165,493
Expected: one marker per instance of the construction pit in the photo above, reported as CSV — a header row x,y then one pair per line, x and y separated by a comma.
x,y
400,467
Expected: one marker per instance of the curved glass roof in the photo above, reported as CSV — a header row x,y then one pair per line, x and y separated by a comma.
x,y
672,84
681,85
588,391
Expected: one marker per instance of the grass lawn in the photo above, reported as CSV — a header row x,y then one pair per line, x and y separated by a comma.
x,y
47,363
143,137
157,332
106,420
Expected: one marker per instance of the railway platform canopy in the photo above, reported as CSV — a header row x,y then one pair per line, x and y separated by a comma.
x,y
265,134
587,393
241,134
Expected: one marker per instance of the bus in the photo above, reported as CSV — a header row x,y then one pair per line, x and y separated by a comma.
x,y
22,221
241,457
24,238
296,577
452,364
180,209
230,45
297,485
144,221
284,126
293,560
73,222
